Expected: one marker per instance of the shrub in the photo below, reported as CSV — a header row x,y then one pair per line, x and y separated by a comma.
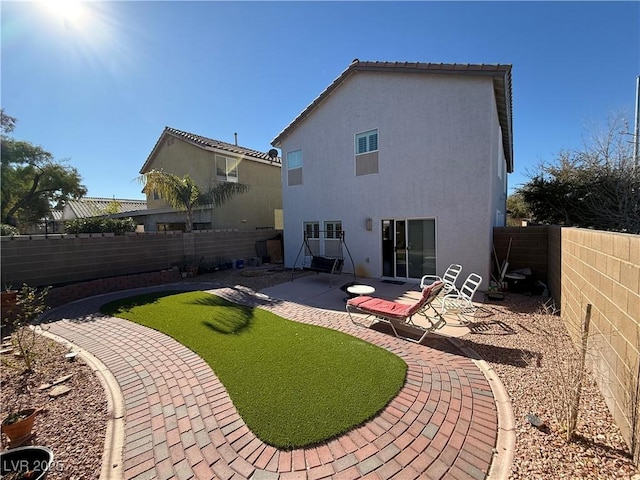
x,y
117,226
8,230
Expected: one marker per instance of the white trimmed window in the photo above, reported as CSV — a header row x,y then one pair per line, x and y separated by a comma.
x,y
367,142
312,236
333,230
294,159
294,167
312,229
226,169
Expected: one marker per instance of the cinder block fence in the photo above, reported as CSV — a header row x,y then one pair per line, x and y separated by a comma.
x,y
86,264
602,269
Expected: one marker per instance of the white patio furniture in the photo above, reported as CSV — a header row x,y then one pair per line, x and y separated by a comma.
x,y
461,302
449,279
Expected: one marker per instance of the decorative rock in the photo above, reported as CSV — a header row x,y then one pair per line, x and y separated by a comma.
x,y
59,391
71,356
534,420
62,379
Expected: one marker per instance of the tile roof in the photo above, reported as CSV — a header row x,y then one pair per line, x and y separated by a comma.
x,y
93,206
501,75
209,144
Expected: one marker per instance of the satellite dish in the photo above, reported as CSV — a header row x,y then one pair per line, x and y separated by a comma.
x,y
273,153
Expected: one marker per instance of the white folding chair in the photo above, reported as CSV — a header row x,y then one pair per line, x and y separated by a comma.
x,y
461,302
449,279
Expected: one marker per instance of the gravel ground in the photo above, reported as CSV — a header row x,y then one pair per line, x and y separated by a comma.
x,y
531,352
519,341
72,425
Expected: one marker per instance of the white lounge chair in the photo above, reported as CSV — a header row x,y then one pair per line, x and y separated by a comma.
x,y
461,302
449,279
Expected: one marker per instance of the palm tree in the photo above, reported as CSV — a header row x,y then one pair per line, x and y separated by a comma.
x,y
183,194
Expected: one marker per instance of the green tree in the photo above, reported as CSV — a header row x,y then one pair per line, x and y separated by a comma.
x,y
182,193
112,207
517,208
33,182
595,187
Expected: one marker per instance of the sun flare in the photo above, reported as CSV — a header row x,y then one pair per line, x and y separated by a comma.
x,y
71,11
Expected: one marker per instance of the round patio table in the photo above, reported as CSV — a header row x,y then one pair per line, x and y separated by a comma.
x,y
360,290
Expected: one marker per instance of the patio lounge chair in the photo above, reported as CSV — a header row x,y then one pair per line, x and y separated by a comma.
x,y
461,302
449,278
400,314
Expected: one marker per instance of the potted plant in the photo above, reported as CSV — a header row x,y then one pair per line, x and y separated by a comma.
x,y
9,297
8,302
19,425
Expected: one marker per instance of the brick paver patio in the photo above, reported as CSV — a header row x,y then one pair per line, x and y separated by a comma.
x,y
181,424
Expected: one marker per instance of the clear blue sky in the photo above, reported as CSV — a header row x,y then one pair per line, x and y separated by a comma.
x,y
99,89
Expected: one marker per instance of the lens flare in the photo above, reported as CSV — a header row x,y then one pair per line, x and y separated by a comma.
x,y
69,11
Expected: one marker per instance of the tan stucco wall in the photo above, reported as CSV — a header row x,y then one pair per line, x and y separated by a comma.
x,y
250,210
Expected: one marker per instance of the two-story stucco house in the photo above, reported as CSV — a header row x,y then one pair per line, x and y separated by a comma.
x,y
409,160
208,161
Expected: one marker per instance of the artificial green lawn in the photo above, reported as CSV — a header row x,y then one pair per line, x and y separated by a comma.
x,y
293,384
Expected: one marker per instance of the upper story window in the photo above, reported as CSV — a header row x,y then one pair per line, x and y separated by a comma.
x,y
294,159
367,142
226,169
294,167
366,157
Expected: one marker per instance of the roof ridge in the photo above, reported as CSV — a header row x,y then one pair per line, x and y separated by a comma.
x,y
212,142
108,199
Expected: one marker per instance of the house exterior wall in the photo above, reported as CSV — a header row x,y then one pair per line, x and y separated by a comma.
x,y
250,210
438,155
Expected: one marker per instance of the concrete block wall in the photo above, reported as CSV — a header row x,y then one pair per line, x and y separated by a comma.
x,y
40,260
554,263
584,267
234,245
603,269
69,293
529,247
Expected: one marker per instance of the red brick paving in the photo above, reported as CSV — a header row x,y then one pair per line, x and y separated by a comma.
x,y
180,423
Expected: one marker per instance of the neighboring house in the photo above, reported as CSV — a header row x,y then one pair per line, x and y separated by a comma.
x,y
208,161
91,207
97,207
409,160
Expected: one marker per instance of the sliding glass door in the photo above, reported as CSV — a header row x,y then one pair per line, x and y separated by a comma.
x,y
408,248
